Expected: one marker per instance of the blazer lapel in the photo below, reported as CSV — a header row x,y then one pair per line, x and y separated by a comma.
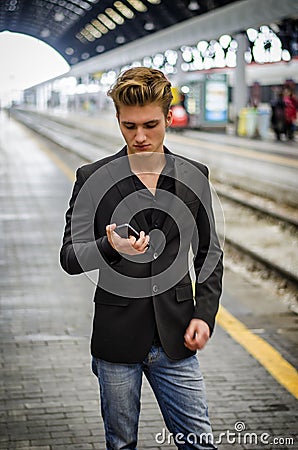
x,y
189,185
180,194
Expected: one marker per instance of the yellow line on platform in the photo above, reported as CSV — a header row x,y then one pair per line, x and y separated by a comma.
x,y
60,164
239,151
55,159
263,352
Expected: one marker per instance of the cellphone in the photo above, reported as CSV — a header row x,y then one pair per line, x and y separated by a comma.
x,y
125,230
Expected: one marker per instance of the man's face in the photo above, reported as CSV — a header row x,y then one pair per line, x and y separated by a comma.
x,y
143,127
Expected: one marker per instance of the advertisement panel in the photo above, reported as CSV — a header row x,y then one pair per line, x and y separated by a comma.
x,y
216,98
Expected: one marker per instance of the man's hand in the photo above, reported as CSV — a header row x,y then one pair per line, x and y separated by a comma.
x,y
130,246
196,335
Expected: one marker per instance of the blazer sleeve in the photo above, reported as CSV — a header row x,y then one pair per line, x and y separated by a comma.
x,y
208,262
81,251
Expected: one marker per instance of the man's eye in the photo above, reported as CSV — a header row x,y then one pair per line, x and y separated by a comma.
x,y
153,125
129,127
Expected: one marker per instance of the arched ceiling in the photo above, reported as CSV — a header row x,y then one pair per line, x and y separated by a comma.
x,y
81,29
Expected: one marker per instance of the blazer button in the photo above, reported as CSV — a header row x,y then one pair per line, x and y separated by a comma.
x,y
155,255
155,288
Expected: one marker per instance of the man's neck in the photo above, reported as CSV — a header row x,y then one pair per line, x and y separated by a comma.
x,y
147,162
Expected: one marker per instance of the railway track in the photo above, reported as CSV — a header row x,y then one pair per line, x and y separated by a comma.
x,y
261,240
259,234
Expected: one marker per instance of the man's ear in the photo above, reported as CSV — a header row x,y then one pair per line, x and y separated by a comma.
x,y
169,118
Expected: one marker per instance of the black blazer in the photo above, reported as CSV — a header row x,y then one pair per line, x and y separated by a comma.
x,y
135,293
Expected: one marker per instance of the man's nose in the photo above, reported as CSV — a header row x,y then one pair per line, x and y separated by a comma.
x,y
140,135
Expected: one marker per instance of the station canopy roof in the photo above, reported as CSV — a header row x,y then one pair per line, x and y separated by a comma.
x,y
81,29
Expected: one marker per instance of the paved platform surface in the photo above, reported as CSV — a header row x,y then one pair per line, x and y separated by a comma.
x,y
49,397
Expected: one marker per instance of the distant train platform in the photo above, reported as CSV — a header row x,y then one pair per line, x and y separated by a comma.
x,y
273,165
49,396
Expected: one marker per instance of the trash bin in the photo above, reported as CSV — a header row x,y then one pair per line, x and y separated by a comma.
x,y
241,129
251,122
263,123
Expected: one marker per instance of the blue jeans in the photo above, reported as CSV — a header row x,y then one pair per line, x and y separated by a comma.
x,y
179,389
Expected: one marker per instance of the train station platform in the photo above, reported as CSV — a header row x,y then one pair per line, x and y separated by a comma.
x,y
228,156
49,397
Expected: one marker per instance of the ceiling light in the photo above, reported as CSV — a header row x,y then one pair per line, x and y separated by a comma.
x,y
275,27
147,61
158,60
87,35
114,16
120,39
69,51
225,40
187,54
138,5
80,37
106,21
12,5
59,17
285,54
125,11
185,89
93,31
193,6
171,56
83,4
111,76
185,67
202,46
169,68
149,26
45,33
100,48
233,45
252,34
100,26
264,29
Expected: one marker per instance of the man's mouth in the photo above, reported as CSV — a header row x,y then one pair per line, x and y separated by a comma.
x,y
142,147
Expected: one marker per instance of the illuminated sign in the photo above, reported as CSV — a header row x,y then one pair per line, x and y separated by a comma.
x,y
216,98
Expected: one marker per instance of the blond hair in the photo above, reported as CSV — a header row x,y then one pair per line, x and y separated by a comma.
x,y
141,86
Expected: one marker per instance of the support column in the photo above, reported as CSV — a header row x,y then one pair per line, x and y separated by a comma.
x,y
240,90
41,97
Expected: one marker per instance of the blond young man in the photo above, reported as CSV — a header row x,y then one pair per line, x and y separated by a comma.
x,y
147,320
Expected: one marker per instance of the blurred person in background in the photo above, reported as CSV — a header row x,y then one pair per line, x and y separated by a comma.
x,y
278,121
291,105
